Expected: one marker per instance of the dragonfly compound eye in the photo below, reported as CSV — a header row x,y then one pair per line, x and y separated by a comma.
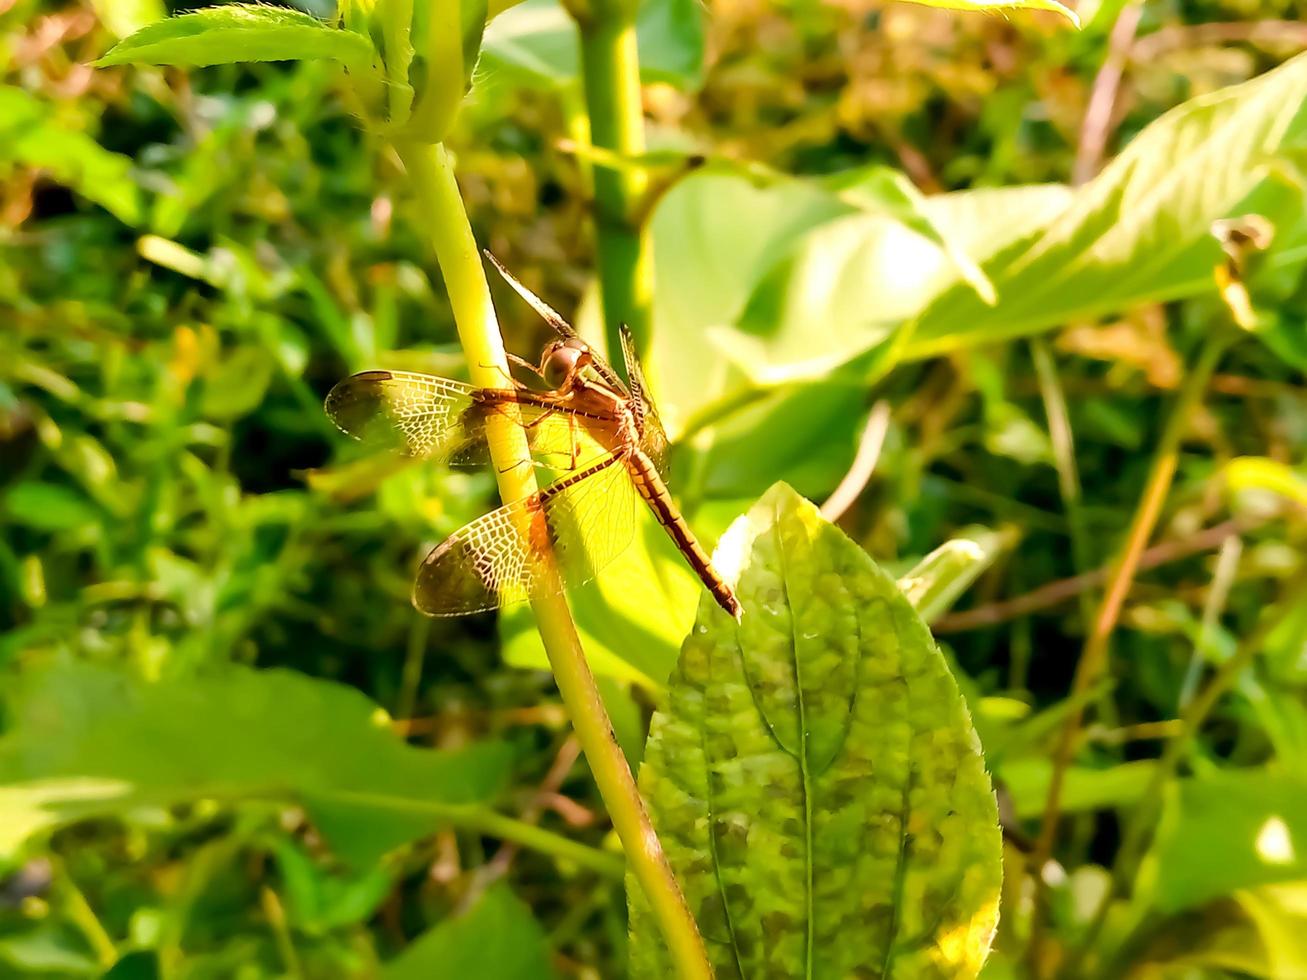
x,y
561,363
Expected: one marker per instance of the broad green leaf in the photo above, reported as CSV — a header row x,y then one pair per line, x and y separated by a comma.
x,y
810,311
497,939
1256,820
936,582
535,43
31,134
984,221
814,776
1141,231
990,6
88,741
715,237
240,32
889,191
788,277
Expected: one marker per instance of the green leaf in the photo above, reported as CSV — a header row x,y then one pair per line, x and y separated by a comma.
x,y
1141,231
49,948
889,191
535,44
31,134
49,507
990,6
1264,474
123,17
715,236
1256,820
497,939
1084,789
936,582
319,900
814,776
237,33
88,741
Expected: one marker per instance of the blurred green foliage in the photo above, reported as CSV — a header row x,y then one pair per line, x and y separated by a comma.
x,y
189,260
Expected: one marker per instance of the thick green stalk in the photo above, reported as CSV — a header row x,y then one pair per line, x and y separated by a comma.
x,y
610,67
443,217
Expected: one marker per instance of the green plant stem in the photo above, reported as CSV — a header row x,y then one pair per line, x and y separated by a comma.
x,y
610,67
1144,819
1064,457
79,912
442,214
1094,657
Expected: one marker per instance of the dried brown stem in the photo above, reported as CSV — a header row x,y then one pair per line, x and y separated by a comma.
x,y
1055,593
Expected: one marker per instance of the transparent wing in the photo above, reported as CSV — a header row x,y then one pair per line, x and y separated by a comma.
x,y
654,439
586,519
561,327
547,313
434,418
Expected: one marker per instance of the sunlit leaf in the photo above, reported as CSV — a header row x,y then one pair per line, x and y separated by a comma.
x,y
989,6
496,939
936,582
1256,820
1261,473
88,741
124,17
240,32
814,776
1141,231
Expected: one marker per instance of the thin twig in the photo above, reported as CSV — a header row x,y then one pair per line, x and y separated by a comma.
x,y
1055,593
1272,33
566,758
1143,822
1094,657
1064,457
1227,563
1097,124
864,463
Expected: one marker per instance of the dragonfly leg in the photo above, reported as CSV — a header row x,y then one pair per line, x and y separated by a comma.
x,y
522,362
512,381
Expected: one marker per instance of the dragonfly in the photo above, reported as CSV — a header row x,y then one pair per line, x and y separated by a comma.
x,y
601,434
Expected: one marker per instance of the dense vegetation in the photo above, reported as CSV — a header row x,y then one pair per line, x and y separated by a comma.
x,y
976,270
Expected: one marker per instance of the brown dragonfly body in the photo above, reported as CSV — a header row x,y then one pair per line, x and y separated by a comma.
x,y
601,432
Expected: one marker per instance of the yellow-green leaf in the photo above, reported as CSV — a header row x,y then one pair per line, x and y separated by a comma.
x,y
814,775
236,33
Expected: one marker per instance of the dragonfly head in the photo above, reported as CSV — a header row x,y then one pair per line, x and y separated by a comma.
x,y
563,360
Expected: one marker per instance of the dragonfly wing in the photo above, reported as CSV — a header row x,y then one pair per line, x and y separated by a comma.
x,y
414,414
583,520
561,327
547,313
654,439
434,418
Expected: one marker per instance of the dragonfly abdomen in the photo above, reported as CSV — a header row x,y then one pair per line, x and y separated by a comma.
x,y
655,493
